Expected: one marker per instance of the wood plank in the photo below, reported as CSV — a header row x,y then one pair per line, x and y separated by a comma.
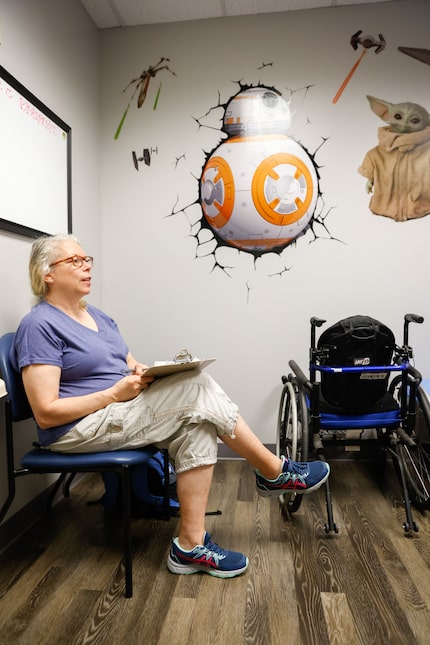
x,y
408,577
176,630
339,620
20,618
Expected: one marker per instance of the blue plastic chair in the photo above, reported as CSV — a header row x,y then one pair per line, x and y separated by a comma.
x,y
40,460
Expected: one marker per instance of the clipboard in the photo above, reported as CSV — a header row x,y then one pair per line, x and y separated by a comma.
x,y
172,367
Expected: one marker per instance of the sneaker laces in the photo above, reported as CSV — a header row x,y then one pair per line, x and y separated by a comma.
x,y
209,551
296,467
296,470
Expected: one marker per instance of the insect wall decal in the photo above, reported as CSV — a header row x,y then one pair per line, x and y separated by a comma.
x,y
142,84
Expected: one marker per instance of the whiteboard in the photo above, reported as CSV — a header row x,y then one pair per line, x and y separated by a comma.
x,y
35,164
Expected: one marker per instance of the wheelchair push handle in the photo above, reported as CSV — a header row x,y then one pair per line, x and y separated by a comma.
x,y
315,322
415,318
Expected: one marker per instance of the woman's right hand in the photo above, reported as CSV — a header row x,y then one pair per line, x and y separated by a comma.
x,y
131,386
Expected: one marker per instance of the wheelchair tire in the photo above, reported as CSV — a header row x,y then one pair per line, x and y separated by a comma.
x,y
415,459
416,466
292,435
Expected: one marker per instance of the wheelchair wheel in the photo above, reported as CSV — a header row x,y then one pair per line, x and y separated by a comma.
x,y
292,435
416,465
415,460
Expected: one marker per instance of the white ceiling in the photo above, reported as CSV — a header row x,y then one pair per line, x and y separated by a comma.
x,y
129,13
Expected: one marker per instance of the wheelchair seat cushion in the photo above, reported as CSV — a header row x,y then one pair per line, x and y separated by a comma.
x,y
386,403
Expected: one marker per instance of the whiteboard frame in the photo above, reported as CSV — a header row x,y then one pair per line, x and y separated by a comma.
x,y
62,223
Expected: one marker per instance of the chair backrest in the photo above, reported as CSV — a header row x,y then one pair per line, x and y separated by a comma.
x,y
20,406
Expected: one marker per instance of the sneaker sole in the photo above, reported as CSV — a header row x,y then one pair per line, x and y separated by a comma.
x,y
186,569
284,491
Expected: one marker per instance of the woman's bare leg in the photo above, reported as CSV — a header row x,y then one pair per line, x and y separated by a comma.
x,y
193,488
248,446
193,485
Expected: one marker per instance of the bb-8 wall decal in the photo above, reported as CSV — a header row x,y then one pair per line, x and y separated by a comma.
x,y
259,187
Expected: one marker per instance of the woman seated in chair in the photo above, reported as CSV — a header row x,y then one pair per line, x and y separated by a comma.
x,y
88,393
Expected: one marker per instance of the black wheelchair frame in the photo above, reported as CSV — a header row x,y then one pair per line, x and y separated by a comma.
x,y
304,431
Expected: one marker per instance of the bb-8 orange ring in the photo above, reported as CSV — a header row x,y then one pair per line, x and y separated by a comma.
x,y
217,192
282,189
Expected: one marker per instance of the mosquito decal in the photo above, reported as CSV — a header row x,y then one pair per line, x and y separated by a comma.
x,y
142,84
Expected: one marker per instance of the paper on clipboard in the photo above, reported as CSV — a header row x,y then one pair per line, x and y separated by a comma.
x,y
171,367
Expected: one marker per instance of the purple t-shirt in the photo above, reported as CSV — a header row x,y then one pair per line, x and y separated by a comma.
x,y
90,361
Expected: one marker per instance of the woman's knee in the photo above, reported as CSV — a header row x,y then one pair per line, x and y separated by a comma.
x,y
195,445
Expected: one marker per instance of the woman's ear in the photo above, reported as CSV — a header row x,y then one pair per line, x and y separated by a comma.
x,y
48,278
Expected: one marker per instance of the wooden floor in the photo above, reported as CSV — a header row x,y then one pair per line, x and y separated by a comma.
x,y
368,584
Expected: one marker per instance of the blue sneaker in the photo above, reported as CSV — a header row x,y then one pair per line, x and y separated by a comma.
x,y
298,477
209,558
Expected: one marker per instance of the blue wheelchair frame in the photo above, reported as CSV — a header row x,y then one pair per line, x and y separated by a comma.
x,y
394,426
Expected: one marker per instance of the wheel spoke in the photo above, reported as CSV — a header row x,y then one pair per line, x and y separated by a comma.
x,y
416,464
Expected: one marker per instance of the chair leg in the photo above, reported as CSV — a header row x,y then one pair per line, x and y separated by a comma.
x,y
67,484
166,496
126,502
331,525
54,490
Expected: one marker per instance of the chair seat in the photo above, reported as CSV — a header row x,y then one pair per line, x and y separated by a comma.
x,y
49,461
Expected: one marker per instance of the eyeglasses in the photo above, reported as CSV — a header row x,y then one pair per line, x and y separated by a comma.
x,y
76,260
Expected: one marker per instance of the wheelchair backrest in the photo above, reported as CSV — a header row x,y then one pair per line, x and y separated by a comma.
x,y
357,341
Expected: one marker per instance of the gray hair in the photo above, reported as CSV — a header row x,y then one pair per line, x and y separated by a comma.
x,y
44,252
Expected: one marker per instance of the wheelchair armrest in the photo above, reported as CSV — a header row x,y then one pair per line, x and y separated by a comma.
x,y
300,375
414,374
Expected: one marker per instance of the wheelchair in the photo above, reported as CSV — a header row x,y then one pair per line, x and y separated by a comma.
x,y
362,388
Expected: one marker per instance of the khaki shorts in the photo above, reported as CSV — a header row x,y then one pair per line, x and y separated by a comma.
x,y
185,412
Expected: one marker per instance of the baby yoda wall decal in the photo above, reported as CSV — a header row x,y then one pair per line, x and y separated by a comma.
x,y
398,168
